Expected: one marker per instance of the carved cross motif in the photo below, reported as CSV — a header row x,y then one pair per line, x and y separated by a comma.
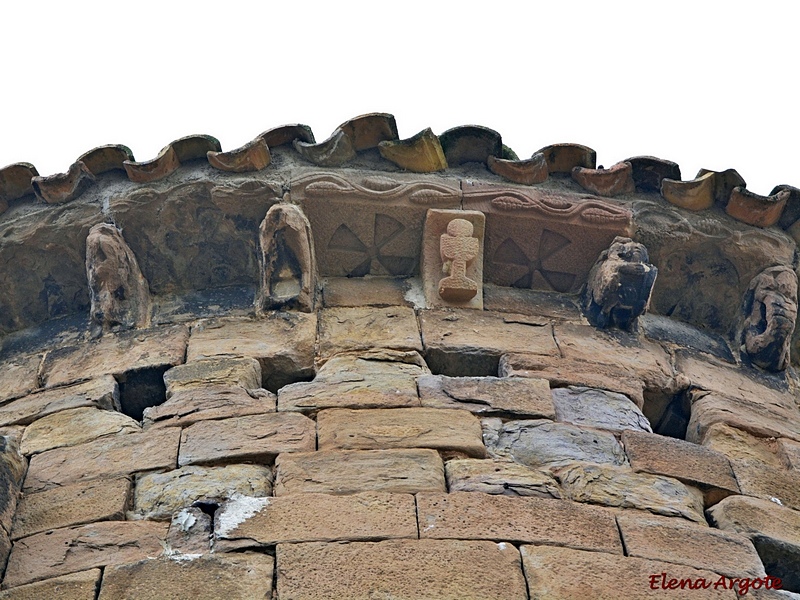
x,y
386,229
458,248
550,243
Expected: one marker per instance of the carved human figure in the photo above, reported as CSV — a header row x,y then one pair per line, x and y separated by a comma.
x,y
458,248
770,310
619,285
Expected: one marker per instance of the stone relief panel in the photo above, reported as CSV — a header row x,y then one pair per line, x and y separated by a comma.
x,y
543,239
369,225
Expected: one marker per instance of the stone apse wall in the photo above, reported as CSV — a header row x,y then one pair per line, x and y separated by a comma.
x,y
382,368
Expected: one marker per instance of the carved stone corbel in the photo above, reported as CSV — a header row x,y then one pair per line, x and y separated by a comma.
x,y
287,260
619,286
119,292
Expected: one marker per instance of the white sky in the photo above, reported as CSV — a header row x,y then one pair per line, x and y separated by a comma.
x,y
706,84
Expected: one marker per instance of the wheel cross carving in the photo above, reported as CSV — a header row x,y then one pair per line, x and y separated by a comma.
x,y
386,229
525,268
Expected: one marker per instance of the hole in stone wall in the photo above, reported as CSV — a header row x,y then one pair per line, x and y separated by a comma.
x,y
668,414
462,364
141,389
208,508
780,560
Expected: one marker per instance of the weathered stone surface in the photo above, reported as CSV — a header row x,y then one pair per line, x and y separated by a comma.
x,y
69,505
243,372
353,471
440,429
251,438
690,463
540,442
568,574
602,409
19,376
562,158
106,457
740,445
5,546
677,541
118,290
116,354
355,381
620,486
75,586
527,520
209,403
63,187
370,224
543,239
288,265
210,577
789,451
770,311
619,286
71,549
12,472
442,569
616,180
760,211
780,560
768,483
353,329
755,517
527,172
452,258
282,342
499,477
467,342
367,131
159,495
74,426
559,307
488,396
190,532
368,516
649,171
421,153
470,143
253,156
697,194
362,291
102,393
333,152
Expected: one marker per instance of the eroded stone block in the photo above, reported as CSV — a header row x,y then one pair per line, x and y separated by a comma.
x,y
354,329
208,403
499,477
601,409
12,472
75,426
768,483
740,445
243,372
755,517
190,532
19,376
452,258
75,586
353,471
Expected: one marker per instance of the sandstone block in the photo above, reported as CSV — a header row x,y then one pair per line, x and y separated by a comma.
x,y
677,541
190,532
466,342
368,516
116,354
364,328
19,376
282,342
250,438
360,291
463,515
789,450
210,577
75,426
242,372
619,486
69,505
440,429
543,443
445,569
103,458
755,517
75,586
207,404
102,392
71,549
767,482
353,381
499,477
690,463
488,396
452,258
740,445
602,409
159,495
5,546
352,471
12,472
567,574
